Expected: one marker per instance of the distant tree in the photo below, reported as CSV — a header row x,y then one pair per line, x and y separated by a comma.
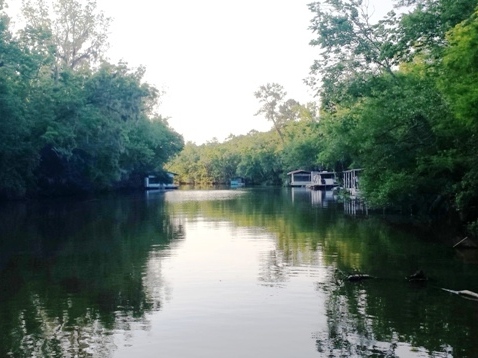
x,y
77,30
349,44
423,29
260,159
271,96
255,156
304,146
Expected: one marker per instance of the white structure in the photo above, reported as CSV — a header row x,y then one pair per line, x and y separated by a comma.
x,y
323,180
152,182
238,183
352,182
312,179
300,178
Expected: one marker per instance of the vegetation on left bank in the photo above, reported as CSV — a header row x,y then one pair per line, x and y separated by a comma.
x,y
72,122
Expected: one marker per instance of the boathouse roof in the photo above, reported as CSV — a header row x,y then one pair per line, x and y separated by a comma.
x,y
299,171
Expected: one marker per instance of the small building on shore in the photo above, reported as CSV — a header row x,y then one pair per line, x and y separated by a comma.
x,y
321,180
238,182
300,178
152,182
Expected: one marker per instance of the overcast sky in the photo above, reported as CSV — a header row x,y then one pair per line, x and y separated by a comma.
x,y
210,56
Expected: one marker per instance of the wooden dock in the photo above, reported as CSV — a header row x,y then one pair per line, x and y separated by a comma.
x,y
351,182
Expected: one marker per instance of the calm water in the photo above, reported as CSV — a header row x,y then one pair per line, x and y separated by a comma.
x,y
225,273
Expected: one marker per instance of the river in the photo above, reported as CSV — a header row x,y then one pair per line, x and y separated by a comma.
x,y
226,273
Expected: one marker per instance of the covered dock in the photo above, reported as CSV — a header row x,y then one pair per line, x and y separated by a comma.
x,y
323,181
151,182
300,178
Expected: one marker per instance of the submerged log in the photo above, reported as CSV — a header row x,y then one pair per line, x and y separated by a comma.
x,y
355,276
358,277
417,276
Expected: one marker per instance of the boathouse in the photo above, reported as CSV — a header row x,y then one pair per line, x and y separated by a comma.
x,y
153,182
323,180
300,178
312,179
238,182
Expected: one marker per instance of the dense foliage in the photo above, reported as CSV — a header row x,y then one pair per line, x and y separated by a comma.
x,y
398,99
397,96
70,121
398,102
259,157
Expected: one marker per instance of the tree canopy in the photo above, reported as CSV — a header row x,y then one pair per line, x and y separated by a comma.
x,y
71,121
398,101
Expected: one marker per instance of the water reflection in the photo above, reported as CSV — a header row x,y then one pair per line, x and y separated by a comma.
x,y
250,272
320,198
386,317
274,270
355,207
73,271
360,324
389,316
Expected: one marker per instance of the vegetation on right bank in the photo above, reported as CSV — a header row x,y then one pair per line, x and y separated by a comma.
x,y
398,98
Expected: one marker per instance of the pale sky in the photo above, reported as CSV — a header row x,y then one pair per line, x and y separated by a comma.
x,y
210,56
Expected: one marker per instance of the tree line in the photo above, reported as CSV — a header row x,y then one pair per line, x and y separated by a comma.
x,y
70,121
259,157
398,99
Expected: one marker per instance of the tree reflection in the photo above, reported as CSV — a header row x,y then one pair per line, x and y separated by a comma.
x,y
377,318
76,273
351,330
73,274
273,270
386,317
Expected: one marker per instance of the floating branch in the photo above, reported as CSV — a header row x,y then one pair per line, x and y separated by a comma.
x,y
465,243
464,293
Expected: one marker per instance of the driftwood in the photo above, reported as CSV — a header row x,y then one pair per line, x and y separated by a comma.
x,y
464,293
418,276
355,277
358,277
465,243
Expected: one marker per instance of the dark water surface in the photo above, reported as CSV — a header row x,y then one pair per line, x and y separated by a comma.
x,y
225,273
